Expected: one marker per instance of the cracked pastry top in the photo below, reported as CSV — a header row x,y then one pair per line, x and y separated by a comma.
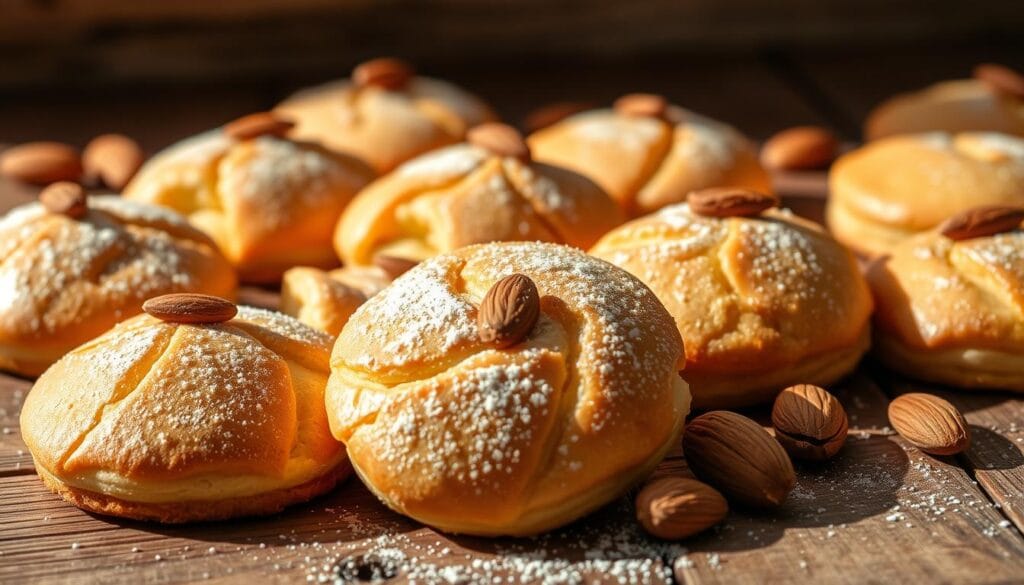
x,y
761,302
455,433
65,280
651,156
178,422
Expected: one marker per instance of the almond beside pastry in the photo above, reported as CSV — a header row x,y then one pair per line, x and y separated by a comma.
x,y
676,507
800,148
112,160
809,422
41,163
509,311
929,423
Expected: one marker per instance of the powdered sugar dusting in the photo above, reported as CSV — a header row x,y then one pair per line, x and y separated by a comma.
x,y
285,326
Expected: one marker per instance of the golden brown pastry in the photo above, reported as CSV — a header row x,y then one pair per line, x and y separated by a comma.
x,y
461,435
269,202
191,416
648,154
325,300
952,310
72,268
487,189
762,302
893,188
385,114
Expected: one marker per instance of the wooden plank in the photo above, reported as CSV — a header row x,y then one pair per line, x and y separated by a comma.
x,y
14,456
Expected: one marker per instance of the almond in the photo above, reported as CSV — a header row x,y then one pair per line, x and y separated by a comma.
x,y
112,160
800,148
65,198
730,202
982,221
809,422
393,265
553,113
1001,79
41,163
499,140
509,311
190,308
259,124
676,507
385,72
930,423
646,105
737,456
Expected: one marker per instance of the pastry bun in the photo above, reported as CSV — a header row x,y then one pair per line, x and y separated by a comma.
x,y
456,433
325,300
178,422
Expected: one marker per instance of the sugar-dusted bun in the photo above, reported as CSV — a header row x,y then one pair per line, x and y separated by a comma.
x,y
459,435
467,194
953,311
270,203
325,300
174,422
648,162
385,126
65,280
761,302
893,188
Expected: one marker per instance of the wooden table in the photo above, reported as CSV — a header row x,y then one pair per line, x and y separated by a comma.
x,y
880,512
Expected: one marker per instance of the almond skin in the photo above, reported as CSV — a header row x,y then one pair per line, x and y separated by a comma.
x,y
41,163
500,140
800,148
190,308
259,124
65,198
673,508
643,105
386,72
112,160
730,202
509,311
737,456
1001,78
809,422
983,221
393,265
930,423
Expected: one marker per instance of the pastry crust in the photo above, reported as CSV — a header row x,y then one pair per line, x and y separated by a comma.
x,y
64,281
270,203
891,189
325,300
471,439
761,302
646,163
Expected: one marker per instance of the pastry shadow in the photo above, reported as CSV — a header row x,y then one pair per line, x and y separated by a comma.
x,y
991,451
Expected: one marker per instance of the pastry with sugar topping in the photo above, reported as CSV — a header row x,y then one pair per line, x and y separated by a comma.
x,y
762,298
484,190
269,201
647,153
195,411
951,302
385,113
507,388
72,266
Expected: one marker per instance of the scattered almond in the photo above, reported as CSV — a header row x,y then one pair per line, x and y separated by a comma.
x,y
112,160
259,124
930,423
730,202
676,507
190,308
509,311
41,163
739,457
393,265
385,72
65,198
553,113
809,422
800,148
646,105
982,221
1001,79
500,140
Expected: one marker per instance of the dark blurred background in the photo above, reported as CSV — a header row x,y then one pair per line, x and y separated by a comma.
x,y
161,70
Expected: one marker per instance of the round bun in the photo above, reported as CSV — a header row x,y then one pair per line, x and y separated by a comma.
x,y
953,311
385,126
467,438
962,105
648,162
175,423
65,280
891,189
466,194
761,302
325,300
270,203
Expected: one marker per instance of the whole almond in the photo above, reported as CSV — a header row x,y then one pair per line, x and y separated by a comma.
x,y
647,105
676,507
259,124
930,423
65,198
737,456
190,308
393,265
551,114
730,202
809,422
1001,79
385,72
800,148
982,221
509,311
500,140
112,160
41,163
